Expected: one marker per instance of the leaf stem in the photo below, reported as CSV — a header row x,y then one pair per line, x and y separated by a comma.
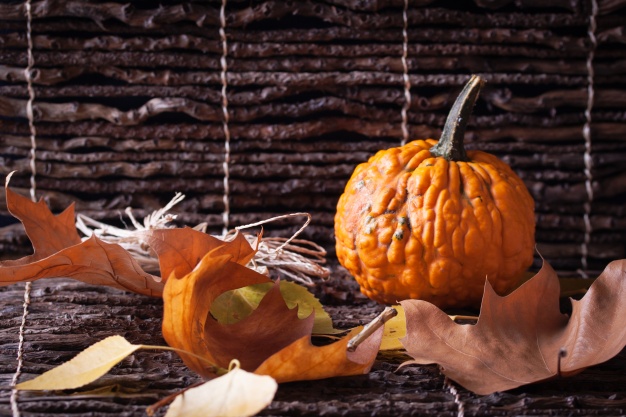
x,y
150,410
371,327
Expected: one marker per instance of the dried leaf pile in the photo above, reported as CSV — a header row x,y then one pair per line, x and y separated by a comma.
x,y
244,332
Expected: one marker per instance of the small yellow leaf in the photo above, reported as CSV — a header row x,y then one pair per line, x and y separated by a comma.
x,y
238,393
395,329
235,305
86,367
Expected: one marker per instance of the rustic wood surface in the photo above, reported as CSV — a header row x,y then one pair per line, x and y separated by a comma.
x,y
66,316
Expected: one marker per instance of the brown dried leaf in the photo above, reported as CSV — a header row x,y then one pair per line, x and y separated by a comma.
x,y
187,301
92,261
269,336
518,338
188,325
271,327
59,252
48,233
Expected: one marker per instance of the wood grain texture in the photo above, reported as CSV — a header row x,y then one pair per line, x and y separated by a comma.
x,y
66,316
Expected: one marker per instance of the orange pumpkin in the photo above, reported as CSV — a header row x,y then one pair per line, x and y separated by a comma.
x,y
430,221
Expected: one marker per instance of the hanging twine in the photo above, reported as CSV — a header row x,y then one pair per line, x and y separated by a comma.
x,y
447,383
226,119
13,400
588,161
405,75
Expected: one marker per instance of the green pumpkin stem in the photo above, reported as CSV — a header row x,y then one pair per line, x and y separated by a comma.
x,y
450,145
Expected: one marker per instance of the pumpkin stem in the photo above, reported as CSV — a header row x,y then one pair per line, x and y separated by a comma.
x,y
450,145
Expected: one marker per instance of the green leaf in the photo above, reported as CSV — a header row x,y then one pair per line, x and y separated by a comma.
x,y
86,367
233,306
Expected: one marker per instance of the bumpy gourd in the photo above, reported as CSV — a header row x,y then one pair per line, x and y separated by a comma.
x,y
430,221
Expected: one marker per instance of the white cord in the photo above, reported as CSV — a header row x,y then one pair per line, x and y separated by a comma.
x,y
588,161
457,397
226,164
405,75
29,104
20,353
33,195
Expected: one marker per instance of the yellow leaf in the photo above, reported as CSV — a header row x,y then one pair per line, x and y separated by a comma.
x,y
86,367
238,393
233,306
395,329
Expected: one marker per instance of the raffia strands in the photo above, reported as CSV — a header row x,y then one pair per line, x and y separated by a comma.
x,y
296,259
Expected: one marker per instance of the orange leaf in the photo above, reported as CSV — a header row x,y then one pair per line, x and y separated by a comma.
x,y
301,361
92,261
187,301
59,252
518,338
272,333
180,250
48,233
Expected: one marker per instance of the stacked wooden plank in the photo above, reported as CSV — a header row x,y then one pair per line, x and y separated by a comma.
x,y
129,102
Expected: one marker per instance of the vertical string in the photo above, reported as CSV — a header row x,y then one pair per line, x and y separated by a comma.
x,y
13,400
587,137
226,119
20,352
460,405
405,74
28,73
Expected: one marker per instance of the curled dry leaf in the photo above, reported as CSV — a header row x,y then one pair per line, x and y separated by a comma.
x,y
180,250
272,330
518,338
236,394
59,252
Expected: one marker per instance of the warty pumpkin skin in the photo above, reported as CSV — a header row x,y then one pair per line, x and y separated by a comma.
x,y
413,225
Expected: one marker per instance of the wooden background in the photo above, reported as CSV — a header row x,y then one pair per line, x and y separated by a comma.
x,y
127,107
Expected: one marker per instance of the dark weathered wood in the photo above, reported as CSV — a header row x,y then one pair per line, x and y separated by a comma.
x,y
66,316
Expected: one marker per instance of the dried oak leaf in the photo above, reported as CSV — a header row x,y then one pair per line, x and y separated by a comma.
x,y
59,252
272,332
518,338
48,233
